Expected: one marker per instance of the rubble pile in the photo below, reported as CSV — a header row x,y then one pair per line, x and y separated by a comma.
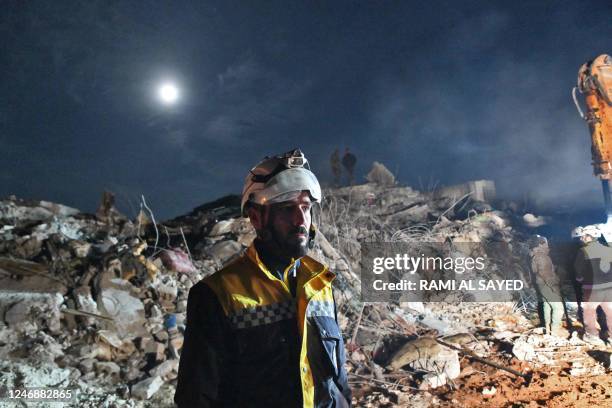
x,y
98,302
418,354
93,302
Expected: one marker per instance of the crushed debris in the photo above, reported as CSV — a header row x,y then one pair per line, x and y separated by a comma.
x,y
98,302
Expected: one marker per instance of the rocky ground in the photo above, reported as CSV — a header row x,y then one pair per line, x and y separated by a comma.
x,y
96,302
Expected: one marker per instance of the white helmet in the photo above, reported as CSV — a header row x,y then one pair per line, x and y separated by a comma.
x,y
592,230
279,178
596,231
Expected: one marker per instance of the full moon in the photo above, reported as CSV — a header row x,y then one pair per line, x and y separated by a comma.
x,y
168,93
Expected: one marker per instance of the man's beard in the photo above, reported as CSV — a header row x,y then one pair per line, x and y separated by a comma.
x,y
285,247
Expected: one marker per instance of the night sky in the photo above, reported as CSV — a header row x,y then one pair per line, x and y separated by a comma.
x,y
440,92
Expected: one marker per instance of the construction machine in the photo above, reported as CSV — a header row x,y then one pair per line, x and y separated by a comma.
x,y
595,84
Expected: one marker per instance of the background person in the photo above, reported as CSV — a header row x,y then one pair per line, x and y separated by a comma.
x,y
593,272
547,286
348,161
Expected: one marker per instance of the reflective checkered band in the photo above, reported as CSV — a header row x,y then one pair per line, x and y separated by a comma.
x,y
259,315
320,308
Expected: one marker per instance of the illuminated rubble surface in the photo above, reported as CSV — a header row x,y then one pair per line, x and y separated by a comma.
x,y
97,303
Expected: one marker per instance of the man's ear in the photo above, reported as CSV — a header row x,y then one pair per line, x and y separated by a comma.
x,y
256,217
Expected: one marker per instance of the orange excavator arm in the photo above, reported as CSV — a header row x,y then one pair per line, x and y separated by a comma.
x,y
595,83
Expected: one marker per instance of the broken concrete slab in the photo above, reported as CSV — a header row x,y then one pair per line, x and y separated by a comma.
x,y
168,368
100,351
44,347
534,221
109,337
28,312
115,299
85,302
426,354
224,251
524,350
16,373
68,228
156,350
379,174
479,190
108,369
145,389
415,214
19,275
221,228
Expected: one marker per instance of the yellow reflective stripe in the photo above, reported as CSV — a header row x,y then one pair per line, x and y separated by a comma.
x,y
305,372
320,308
252,253
312,307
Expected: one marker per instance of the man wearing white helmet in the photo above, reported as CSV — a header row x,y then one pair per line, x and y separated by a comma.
x,y
593,268
262,331
277,197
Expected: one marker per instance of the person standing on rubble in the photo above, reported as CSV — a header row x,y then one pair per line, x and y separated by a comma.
x,y
334,161
348,161
263,331
593,272
547,286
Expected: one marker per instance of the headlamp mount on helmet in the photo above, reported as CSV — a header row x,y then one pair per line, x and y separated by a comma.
x,y
274,179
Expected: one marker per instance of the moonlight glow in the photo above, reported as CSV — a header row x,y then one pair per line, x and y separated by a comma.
x,y
168,93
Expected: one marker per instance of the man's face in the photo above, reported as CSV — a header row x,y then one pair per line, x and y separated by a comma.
x,y
585,239
286,226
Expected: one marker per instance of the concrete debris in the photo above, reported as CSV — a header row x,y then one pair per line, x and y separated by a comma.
x,y
489,391
29,312
479,190
222,228
380,175
156,350
98,302
425,354
80,249
224,251
85,302
107,369
533,221
19,275
167,370
19,212
145,389
543,350
116,299
110,338
524,351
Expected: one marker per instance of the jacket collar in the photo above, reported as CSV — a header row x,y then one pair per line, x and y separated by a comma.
x,y
307,266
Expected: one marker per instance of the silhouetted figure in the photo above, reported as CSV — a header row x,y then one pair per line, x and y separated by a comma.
x,y
547,286
335,166
348,161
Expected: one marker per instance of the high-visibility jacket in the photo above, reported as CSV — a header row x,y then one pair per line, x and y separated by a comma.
x,y
250,343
